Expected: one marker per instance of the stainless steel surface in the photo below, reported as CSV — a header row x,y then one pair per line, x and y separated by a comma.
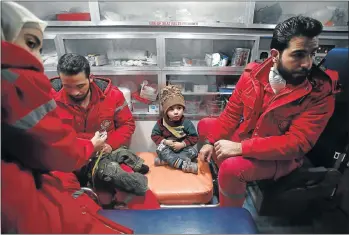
x,y
94,11
209,70
107,69
272,26
88,35
69,23
205,71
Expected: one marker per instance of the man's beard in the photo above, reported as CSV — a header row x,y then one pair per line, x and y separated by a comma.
x,y
80,99
293,78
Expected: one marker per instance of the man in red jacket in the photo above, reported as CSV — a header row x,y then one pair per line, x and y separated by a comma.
x,y
35,141
87,103
275,115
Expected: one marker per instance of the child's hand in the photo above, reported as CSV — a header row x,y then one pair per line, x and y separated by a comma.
x,y
169,143
177,146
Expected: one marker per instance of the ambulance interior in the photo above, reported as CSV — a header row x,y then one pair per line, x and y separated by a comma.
x,y
203,47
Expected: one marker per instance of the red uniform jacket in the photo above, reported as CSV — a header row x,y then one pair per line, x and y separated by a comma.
x,y
28,108
33,140
107,104
284,129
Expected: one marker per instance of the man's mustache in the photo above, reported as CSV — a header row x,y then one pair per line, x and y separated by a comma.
x,y
303,71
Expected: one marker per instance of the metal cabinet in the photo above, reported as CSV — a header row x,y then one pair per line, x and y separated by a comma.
x,y
62,13
192,52
174,13
333,15
206,92
135,52
132,81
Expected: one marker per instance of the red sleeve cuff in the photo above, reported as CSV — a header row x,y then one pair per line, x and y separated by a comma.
x,y
187,142
246,146
88,150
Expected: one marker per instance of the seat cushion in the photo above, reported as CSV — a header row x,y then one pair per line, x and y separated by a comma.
x,y
174,187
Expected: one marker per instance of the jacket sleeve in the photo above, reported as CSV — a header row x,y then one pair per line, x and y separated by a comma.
x,y
125,124
33,133
301,137
230,118
156,134
192,135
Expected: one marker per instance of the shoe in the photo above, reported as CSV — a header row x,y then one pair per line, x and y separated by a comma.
x,y
112,173
144,169
190,167
193,153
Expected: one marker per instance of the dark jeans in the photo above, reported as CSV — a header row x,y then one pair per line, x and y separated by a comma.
x,y
170,156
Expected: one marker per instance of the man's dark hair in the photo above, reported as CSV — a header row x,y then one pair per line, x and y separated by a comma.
x,y
294,27
72,64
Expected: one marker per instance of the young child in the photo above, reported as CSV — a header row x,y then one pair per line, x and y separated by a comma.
x,y
175,135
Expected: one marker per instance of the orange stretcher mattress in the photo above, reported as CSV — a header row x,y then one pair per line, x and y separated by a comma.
x,y
174,187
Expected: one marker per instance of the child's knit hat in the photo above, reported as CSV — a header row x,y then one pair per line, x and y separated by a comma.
x,y
171,95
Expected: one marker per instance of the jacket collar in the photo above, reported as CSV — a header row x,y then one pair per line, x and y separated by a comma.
x,y
261,73
13,56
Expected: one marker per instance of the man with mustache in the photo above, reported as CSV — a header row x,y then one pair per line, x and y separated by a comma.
x,y
87,104
274,117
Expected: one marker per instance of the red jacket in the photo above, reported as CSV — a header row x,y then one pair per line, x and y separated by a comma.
x,y
285,129
28,108
107,103
33,140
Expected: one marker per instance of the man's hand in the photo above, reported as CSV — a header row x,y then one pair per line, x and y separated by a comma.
x,y
227,148
177,146
168,143
98,140
107,148
206,152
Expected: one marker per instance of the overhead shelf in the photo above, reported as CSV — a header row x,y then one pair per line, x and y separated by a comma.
x,y
200,24
112,68
226,69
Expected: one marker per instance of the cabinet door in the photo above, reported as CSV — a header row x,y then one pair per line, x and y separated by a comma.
x,y
205,95
174,13
115,51
209,52
144,105
49,53
329,13
60,12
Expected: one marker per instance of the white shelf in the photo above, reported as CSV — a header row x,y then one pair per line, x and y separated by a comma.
x,y
178,24
233,70
124,68
50,68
